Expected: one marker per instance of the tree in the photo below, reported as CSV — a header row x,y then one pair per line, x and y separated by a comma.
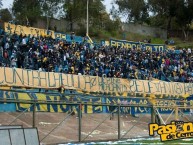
x,y
184,16
134,10
5,15
75,12
26,11
178,13
50,8
1,4
114,13
164,10
108,24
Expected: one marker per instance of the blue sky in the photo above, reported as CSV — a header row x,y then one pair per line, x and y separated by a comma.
x,y
7,3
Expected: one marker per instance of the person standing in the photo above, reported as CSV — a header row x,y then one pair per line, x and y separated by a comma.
x,y
71,110
80,109
133,113
124,108
112,109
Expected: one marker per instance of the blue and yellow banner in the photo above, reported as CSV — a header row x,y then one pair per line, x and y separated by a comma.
x,y
137,45
36,32
89,99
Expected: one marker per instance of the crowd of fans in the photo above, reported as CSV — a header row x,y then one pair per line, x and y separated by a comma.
x,y
52,55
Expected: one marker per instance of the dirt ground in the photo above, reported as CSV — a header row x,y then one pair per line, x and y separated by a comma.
x,y
55,128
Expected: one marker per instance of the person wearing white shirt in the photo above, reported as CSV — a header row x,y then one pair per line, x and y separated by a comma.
x,y
24,41
40,69
124,109
179,67
175,68
67,55
64,57
189,51
13,62
6,45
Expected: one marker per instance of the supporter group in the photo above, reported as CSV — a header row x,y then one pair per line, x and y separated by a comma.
x,y
53,55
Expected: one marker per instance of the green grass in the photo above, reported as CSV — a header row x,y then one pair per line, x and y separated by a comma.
x,y
183,44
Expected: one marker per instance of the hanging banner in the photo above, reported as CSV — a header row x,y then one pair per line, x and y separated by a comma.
x,y
36,32
13,107
38,79
137,45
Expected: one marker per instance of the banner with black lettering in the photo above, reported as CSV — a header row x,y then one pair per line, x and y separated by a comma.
x,y
39,79
19,29
137,45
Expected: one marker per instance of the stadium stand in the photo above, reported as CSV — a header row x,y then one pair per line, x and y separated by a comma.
x,y
73,56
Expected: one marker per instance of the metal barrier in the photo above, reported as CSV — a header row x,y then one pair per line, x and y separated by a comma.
x,y
79,122
75,126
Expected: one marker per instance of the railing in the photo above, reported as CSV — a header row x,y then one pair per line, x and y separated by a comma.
x,y
85,127
81,138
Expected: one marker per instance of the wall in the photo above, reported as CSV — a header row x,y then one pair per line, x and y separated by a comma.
x,y
64,26
180,34
61,25
145,30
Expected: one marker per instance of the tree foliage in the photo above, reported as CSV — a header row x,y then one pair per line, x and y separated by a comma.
x,y
184,16
168,14
26,11
134,10
1,4
51,7
164,10
99,19
176,14
75,11
5,15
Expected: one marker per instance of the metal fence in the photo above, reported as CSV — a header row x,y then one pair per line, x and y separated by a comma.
x,y
75,126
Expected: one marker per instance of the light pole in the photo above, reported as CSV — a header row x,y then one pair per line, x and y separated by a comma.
x,y
47,20
87,19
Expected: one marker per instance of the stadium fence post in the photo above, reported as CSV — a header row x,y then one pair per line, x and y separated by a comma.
x,y
119,135
176,113
79,122
34,114
152,115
